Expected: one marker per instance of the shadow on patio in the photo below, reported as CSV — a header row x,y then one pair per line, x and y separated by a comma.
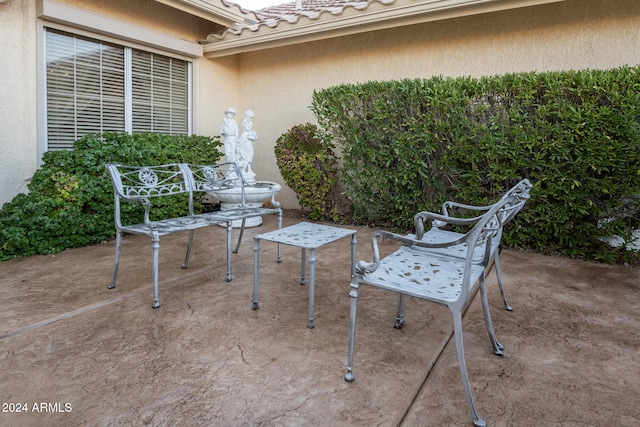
x,y
96,356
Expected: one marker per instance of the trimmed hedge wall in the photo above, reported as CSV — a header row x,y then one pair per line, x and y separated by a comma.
x,y
70,199
409,145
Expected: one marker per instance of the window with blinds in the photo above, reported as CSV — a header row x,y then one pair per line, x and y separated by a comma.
x,y
88,91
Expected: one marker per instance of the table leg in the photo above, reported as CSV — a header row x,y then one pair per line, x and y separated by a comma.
x,y
302,266
312,287
256,265
353,255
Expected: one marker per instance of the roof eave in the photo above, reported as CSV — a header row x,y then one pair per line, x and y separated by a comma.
x,y
218,11
377,16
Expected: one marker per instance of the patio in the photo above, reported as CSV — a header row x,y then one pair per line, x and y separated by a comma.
x,y
96,356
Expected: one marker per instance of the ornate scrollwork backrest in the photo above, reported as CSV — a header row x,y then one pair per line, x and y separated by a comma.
x,y
141,183
215,177
152,181
490,227
521,191
518,194
210,174
494,225
511,203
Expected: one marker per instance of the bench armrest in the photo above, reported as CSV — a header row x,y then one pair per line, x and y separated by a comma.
x,y
138,184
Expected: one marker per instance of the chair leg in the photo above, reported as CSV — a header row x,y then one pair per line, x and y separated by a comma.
x,y
229,229
116,262
352,330
400,312
496,261
457,328
186,258
279,256
155,247
244,221
256,266
497,347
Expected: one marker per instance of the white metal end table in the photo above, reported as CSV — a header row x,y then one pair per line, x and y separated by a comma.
x,y
304,235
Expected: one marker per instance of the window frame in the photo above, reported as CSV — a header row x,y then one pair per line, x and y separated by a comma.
x,y
85,24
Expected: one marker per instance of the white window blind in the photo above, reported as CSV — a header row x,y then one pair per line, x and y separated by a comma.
x,y
159,93
88,91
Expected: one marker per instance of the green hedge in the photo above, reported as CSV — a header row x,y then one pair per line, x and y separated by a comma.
x,y
70,199
409,145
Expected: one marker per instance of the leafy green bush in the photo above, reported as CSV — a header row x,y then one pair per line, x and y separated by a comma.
x,y
308,165
70,199
409,145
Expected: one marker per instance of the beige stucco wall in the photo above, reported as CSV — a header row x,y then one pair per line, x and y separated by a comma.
x,y
215,84
18,105
278,83
148,14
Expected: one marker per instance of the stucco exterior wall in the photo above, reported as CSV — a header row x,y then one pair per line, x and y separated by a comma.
x,y
149,14
215,84
18,124
278,83
216,89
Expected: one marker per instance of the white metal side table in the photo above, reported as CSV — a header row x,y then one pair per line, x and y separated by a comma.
x,y
304,235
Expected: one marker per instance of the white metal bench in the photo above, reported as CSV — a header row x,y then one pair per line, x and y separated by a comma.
x,y
141,184
427,271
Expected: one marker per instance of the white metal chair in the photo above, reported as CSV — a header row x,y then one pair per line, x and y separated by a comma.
x,y
453,209
442,279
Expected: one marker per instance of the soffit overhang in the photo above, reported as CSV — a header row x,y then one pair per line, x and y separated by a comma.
x,y
245,36
218,11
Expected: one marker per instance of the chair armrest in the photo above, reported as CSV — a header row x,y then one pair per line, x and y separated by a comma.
x,y
521,190
147,209
119,194
451,204
274,202
364,267
439,220
449,209
139,184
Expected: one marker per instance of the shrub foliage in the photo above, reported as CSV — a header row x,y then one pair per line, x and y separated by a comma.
x,y
70,198
308,165
409,145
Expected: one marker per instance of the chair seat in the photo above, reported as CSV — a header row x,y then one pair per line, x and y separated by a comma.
x,y
172,225
241,213
436,235
434,278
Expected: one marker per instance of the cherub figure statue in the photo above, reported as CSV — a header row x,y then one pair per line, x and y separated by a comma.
x,y
244,154
229,134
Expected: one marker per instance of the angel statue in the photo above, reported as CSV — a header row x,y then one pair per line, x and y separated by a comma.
x,y
244,153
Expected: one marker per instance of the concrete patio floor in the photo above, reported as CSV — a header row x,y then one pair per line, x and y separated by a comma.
x,y
73,352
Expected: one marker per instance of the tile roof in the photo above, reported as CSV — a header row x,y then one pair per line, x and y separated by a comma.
x,y
310,8
293,11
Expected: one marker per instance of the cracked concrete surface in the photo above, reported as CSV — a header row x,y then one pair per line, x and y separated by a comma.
x,y
104,357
